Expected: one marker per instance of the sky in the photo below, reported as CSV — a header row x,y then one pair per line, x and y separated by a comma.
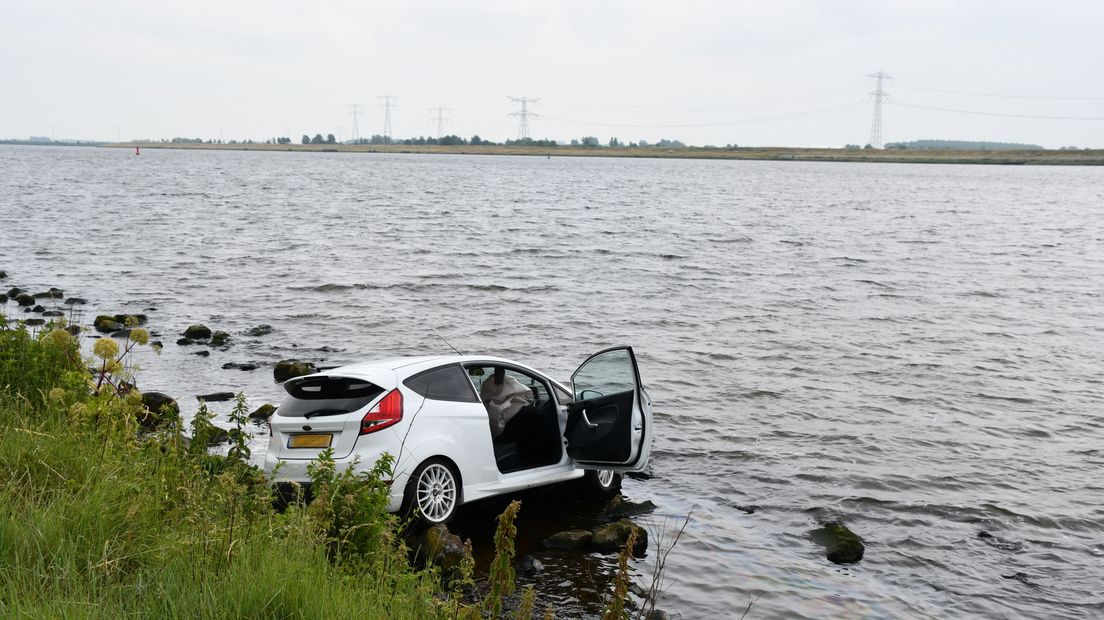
x,y
750,73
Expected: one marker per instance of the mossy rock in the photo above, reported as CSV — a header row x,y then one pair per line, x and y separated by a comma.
x,y
263,412
842,545
620,507
53,293
219,339
140,319
613,536
260,330
197,332
25,299
288,369
437,545
568,540
157,405
107,324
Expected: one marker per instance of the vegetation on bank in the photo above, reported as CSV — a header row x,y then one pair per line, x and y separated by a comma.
x,y
911,156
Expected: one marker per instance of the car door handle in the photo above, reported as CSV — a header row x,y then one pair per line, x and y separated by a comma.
x,y
587,420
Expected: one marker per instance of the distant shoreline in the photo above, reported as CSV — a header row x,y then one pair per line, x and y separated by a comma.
x,y
896,156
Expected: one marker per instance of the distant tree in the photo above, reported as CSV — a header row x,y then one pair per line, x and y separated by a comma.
x,y
283,140
644,144
852,147
670,144
574,142
590,141
614,142
868,147
330,139
306,139
317,139
450,141
378,139
476,140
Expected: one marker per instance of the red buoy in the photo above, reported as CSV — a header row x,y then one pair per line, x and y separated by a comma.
x,y
137,150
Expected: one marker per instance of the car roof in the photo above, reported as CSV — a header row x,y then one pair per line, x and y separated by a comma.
x,y
403,367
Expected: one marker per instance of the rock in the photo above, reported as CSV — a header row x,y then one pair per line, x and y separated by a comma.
x,y
53,293
73,329
260,330
76,301
23,299
215,397
106,324
122,333
657,614
157,405
140,318
611,537
185,342
203,353
749,509
38,309
3,275
218,435
35,322
842,545
263,412
568,540
287,369
197,332
620,507
53,313
3,299
437,545
218,339
239,366
15,291
530,566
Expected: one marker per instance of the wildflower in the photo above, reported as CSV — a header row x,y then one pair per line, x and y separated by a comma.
x,y
105,348
57,395
58,337
78,410
139,335
130,321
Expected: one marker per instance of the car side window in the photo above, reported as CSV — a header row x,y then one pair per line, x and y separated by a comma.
x,y
445,383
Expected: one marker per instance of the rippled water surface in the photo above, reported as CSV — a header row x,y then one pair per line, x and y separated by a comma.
x,y
914,350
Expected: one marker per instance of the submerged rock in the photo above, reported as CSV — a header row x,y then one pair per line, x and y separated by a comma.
x,y
215,397
38,308
53,293
613,536
842,545
260,330
3,275
35,322
239,366
621,507
263,412
15,291
568,540
73,329
23,299
185,341
287,369
106,324
53,313
76,301
197,332
3,299
530,566
157,406
218,339
993,541
203,353
141,319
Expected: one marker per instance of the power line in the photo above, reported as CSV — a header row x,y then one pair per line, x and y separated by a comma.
x,y
746,121
386,105
997,95
880,96
355,110
726,108
1002,114
523,115
440,120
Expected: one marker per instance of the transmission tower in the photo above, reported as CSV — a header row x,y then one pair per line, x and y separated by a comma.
x,y
386,105
523,115
441,120
355,109
880,96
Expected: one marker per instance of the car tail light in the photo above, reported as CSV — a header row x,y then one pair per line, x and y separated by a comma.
x,y
386,412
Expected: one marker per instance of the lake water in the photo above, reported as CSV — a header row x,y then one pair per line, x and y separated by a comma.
x,y
912,350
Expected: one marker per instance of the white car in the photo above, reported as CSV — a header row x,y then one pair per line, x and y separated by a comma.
x,y
450,445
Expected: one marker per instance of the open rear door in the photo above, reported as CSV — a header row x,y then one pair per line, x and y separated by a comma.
x,y
609,426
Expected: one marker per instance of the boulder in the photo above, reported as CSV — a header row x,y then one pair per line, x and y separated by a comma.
x,y
842,545
3,299
3,275
263,412
156,404
437,545
620,507
140,318
15,291
53,313
529,566
73,329
185,341
202,353
568,540
53,293
24,299
106,324
197,332
239,366
35,322
218,436
219,339
215,397
76,301
613,536
287,369
260,330
122,333
38,308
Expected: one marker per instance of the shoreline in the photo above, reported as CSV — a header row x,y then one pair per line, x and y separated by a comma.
x,y
892,156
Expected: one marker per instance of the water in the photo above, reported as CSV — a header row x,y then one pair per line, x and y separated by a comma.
x,y
913,350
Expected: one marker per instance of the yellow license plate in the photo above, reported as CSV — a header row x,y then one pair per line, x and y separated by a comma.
x,y
310,441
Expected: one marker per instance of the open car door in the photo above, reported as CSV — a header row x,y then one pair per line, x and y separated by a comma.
x,y
609,425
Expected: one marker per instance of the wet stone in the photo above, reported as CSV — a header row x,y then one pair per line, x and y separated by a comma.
x,y
122,333
157,405
15,291
239,366
35,322
215,397
613,536
141,319
262,413
260,330
3,275
530,566
185,341
219,339
106,324
568,540
197,332
621,507
53,293
76,301
287,369
437,545
73,329
841,544
3,299
203,353
38,309
53,313
23,299
993,541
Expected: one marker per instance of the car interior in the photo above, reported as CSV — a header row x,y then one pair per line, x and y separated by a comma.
x,y
531,437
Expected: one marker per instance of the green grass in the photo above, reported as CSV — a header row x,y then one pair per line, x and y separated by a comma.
x,y
98,520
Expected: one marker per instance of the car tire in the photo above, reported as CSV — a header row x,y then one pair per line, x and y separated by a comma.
x,y
433,492
601,483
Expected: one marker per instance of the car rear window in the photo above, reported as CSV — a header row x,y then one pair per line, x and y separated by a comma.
x,y
445,383
327,396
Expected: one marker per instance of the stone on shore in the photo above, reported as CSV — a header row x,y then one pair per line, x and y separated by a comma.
x,y
568,540
842,545
288,369
260,330
262,413
157,405
437,545
106,324
530,566
620,507
15,291
613,536
197,332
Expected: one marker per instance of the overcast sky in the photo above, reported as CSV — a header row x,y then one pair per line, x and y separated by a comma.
x,y
784,72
